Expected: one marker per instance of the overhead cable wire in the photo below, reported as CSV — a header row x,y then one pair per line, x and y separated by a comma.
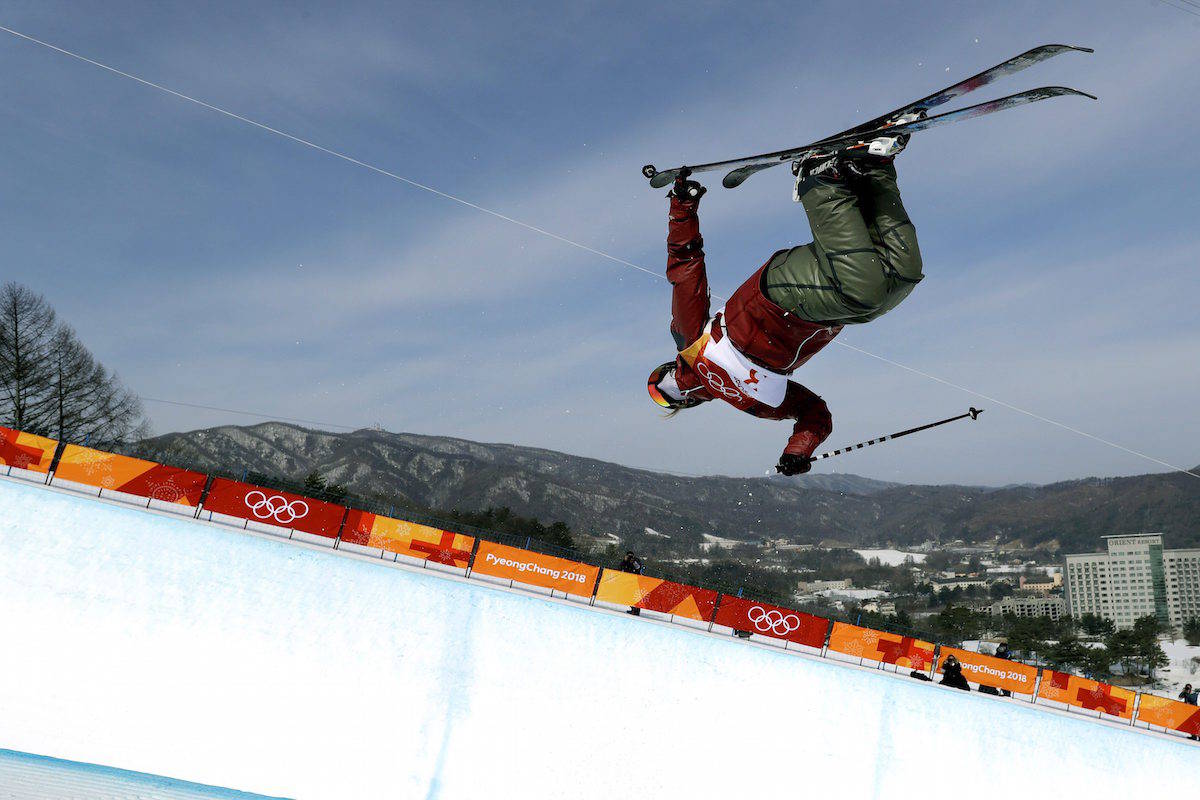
x,y
534,229
328,151
1190,8
1019,410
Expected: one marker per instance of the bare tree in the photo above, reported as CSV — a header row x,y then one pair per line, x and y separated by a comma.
x,y
27,328
51,384
89,403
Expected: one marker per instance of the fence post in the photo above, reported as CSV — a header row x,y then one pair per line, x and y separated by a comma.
x,y
471,560
341,527
58,451
208,483
596,587
717,605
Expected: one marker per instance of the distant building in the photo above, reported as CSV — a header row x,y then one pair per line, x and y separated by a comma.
x,y
1040,583
784,545
710,542
885,607
1053,607
1135,578
820,586
957,583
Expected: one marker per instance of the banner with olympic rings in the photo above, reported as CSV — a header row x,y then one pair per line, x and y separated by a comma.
x,y
20,450
1171,714
999,673
886,648
273,507
774,621
656,594
1072,690
407,538
130,475
536,569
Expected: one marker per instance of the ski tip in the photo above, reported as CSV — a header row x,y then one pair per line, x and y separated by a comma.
x,y
737,177
661,179
1061,90
1061,47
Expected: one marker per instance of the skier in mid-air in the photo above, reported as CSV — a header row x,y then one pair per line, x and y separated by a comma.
x,y
863,261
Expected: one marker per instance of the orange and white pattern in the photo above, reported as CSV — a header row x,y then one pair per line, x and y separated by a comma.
x,y
1073,690
1170,714
130,475
21,450
656,594
886,648
408,538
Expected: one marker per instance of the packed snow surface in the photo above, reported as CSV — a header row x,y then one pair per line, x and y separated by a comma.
x,y
31,777
891,558
177,648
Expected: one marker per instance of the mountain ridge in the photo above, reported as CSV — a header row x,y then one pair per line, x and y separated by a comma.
x,y
599,497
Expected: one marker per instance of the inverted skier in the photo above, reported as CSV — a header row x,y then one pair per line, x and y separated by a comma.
x,y
863,261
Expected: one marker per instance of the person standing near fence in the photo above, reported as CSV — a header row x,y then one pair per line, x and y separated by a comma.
x,y
1189,696
1003,652
952,674
631,563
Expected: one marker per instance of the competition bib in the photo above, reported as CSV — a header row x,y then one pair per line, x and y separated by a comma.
x,y
730,376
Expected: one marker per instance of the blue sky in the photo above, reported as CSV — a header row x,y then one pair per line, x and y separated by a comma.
x,y
210,262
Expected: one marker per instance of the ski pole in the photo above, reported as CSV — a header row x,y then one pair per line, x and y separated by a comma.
x,y
973,413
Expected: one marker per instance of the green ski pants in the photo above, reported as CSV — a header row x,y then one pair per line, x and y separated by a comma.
x,y
864,258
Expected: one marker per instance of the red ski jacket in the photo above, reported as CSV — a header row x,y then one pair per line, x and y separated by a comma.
x,y
759,329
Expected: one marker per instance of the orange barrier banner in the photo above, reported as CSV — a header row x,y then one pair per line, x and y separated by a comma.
x,y
25,451
999,673
536,569
407,538
1073,690
888,648
656,594
130,475
1167,713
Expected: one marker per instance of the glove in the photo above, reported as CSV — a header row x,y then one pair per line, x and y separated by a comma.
x,y
688,191
792,464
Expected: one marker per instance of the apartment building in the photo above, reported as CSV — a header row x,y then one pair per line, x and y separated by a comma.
x,y
1053,607
1134,577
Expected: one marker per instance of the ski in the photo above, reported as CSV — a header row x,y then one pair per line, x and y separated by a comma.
x,y
742,166
1002,70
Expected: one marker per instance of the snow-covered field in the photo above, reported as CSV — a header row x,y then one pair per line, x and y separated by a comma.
x,y
852,594
1182,670
178,648
891,558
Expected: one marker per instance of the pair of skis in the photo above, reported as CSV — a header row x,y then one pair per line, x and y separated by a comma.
x,y
860,136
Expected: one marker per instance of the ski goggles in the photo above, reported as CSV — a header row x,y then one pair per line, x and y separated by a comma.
x,y
652,385
661,398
